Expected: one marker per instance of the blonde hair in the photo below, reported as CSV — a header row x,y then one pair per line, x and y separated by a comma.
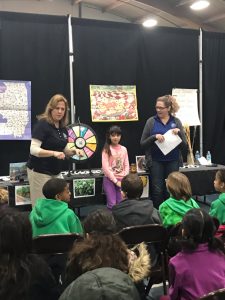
x,y
178,186
169,101
4,196
52,104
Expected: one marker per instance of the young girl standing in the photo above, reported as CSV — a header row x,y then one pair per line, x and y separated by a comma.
x,y
218,206
115,165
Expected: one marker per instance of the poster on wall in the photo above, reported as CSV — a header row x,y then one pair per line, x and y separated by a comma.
x,y
22,195
15,110
113,103
188,102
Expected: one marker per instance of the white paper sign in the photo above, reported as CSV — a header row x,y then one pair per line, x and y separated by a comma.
x,y
171,141
188,102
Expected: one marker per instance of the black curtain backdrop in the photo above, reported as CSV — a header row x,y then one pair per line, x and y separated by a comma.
x,y
155,61
33,48
214,95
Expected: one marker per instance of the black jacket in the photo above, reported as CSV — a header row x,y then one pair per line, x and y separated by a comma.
x,y
131,212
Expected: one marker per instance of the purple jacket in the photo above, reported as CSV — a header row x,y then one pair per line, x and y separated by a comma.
x,y
194,274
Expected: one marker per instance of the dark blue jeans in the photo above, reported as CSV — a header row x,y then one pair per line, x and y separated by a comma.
x,y
159,171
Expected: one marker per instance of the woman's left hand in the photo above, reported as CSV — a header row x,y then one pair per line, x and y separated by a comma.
x,y
175,130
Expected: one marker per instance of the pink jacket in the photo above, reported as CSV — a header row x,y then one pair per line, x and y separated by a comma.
x,y
117,165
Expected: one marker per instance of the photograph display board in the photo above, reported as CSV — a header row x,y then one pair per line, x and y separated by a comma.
x,y
84,187
15,110
22,195
140,163
110,103
18,171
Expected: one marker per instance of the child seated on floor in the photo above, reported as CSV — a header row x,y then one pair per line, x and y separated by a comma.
x,y
191,276
173,209
52,215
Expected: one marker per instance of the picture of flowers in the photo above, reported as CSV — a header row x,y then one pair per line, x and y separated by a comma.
x,y
110,103
22,195
83,187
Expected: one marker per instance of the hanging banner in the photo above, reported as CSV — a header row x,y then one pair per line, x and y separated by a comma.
x,y
110,103
188,102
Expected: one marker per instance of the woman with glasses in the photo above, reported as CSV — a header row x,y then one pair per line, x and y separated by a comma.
x,y
158,164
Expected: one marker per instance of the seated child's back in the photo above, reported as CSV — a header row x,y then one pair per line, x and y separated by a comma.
x,y
173,209
52,215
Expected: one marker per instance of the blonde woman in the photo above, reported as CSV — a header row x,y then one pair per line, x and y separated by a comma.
x,y
158,164
48,145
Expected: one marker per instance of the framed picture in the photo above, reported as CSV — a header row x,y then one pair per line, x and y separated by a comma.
x,y
140,163
22,195
4,195
18,171
113,103
145,181
84,187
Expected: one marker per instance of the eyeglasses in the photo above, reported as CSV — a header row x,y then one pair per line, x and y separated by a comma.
x,y
160,108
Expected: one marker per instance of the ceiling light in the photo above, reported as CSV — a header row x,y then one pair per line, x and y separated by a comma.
x,y
198,5
150,23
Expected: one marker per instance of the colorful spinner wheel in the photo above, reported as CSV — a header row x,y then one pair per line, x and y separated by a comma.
x,y
84,138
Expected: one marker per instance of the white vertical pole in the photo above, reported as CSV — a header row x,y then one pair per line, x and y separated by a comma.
x,y
200,93
71,59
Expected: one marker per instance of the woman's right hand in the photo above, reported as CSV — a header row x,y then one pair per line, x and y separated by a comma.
x,y
59,155
160,138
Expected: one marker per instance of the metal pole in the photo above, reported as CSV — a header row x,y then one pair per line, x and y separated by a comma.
x,y
200,93
71,59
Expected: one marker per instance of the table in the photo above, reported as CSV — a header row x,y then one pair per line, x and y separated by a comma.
x,y
202,178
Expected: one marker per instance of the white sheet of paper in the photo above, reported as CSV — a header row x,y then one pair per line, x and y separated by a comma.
x,y
171,141
203,162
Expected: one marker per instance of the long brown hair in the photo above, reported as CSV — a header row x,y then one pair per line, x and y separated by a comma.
x,y
179,186
52,104
169,101
113,129
97,250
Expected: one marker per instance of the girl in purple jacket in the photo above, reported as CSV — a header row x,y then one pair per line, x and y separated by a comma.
x,y
200,267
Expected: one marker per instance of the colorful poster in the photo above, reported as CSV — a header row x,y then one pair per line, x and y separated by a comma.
x,y
15,110
110,103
